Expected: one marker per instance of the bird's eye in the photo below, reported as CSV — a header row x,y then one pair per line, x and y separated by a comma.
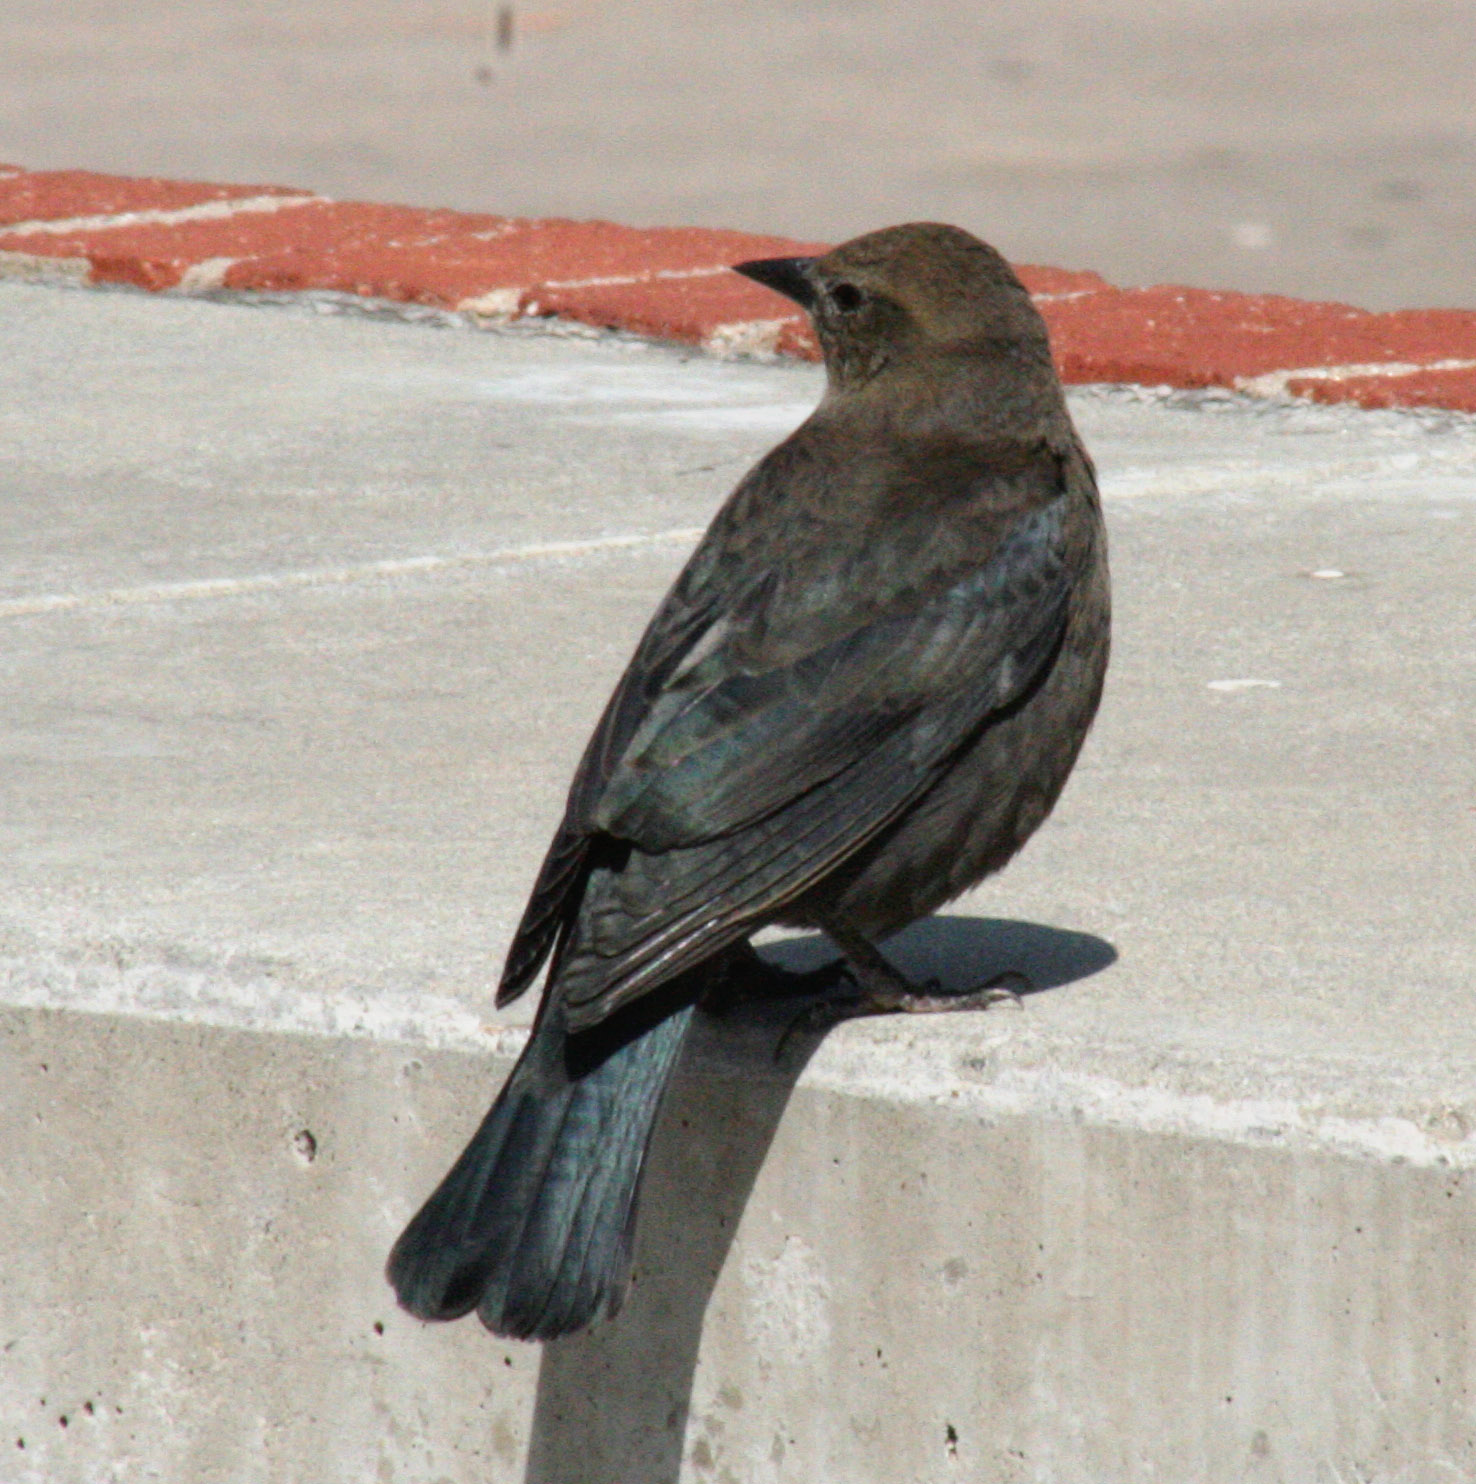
x,y
847,297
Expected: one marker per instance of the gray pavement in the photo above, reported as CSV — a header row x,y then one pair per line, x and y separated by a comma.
x,y
1299,146
307,619
306,616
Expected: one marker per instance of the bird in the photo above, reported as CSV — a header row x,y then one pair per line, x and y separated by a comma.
x,y
862,694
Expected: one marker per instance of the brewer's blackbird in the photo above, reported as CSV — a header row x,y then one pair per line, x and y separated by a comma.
x,y
863,693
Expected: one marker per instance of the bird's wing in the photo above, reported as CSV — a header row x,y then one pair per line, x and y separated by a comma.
x,y
733,738
755,741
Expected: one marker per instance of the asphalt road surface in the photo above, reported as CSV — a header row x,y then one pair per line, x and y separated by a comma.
x,y
1308,147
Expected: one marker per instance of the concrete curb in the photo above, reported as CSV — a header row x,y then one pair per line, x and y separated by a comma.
x,y
673,283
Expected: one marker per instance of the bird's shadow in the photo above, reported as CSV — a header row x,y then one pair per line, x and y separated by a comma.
x,y
612,1403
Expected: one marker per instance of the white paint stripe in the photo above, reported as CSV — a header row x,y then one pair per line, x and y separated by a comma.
x,y
205,211
263,582
504,302
620,279
1274,383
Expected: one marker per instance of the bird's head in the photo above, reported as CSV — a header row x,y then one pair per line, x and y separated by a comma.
x,y
906,295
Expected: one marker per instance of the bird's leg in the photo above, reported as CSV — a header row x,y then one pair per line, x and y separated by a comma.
x,y
883,990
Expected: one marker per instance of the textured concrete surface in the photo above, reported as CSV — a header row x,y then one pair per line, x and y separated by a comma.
x,y
196,1219
306,617
1321,149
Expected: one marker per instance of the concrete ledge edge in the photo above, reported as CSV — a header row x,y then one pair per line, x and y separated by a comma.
x,y
673,283
988,1068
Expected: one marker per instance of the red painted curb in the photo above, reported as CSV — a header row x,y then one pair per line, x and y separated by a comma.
x,y
674,283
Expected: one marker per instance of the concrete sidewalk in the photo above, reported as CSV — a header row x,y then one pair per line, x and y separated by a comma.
x,y
307,616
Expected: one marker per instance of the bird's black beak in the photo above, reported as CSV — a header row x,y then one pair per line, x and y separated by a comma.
x,y
788,276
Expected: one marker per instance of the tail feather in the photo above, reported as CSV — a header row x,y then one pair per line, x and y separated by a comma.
x,y
532,1225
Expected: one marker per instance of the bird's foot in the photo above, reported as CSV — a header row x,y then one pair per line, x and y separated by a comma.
x,y
932,999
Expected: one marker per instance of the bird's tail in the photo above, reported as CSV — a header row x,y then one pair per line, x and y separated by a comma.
x,y
532,1226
